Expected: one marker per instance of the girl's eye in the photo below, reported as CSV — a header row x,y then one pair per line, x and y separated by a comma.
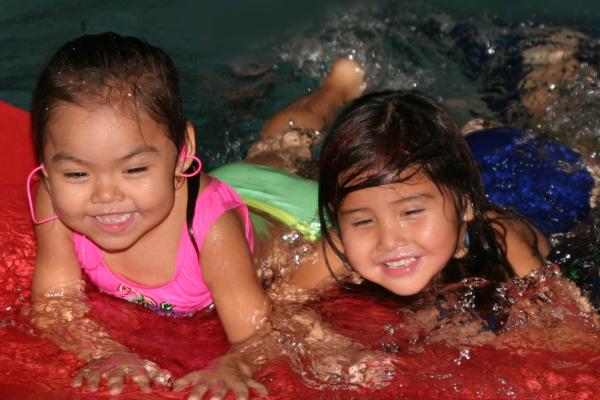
x,y
75,175
136,170
362,222
412,212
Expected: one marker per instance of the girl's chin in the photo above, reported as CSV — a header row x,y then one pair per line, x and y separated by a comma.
x,y
407,291
407,288
112,244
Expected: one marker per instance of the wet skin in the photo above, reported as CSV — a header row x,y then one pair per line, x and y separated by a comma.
x,y
400,235
110,177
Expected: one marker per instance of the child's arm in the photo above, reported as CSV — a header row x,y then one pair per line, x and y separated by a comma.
x,y
59,309
315,273
228,271
526,247
242,306
55,263
260,332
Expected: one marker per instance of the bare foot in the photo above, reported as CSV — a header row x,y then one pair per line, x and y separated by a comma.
x,y
549,65
313,111
557,46
346,76
477,124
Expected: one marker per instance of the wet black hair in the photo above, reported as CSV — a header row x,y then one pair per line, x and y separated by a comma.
x,y
110,69
388,137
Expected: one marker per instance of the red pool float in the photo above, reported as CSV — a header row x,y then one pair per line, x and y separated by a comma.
x,y
31,367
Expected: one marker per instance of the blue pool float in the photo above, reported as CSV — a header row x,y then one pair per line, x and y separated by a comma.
x,y
540,179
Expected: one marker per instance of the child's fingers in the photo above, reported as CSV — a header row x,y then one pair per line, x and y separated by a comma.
x,y
259,387
156,374
142,380
87,374
93,381
114,381
218,384
77,381
187,380
219,393
198,392
152,369
115,368
163,378
239,389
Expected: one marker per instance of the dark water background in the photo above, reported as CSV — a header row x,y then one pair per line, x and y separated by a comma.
x,y
242,60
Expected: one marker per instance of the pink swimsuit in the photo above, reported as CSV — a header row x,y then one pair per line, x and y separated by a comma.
x,y
186,292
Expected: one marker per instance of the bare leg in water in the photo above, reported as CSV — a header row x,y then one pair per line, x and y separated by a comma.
x,y
288,135
286,140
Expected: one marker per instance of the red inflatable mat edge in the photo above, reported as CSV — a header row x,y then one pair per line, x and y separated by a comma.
x,y
16,149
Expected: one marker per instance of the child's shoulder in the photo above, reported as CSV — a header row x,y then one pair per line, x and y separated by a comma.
x,y
511,223
525,245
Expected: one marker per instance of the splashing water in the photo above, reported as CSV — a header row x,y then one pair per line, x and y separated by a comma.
x,y
425,366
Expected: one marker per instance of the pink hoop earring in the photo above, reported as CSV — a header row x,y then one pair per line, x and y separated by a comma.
x,y
29,197
194,172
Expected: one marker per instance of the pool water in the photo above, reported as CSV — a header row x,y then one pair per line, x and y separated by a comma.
x,y
238,68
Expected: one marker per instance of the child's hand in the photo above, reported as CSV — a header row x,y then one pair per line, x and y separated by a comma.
x,y
374,370
340,361
369,369
228,373
116,367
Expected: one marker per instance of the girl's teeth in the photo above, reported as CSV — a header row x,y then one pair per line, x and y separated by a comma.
x,y
400,263
113,219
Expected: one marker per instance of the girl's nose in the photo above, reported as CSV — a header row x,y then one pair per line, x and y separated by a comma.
x,y
392,235
106,191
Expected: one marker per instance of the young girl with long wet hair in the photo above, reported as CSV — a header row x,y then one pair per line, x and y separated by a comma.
x,y
402,204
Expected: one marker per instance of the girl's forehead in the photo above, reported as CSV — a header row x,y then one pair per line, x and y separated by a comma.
x,y
111,110
102,127
72,116
411,174
410,182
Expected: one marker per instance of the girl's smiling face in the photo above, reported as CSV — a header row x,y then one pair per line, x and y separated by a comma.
x,y
110,176
400,235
